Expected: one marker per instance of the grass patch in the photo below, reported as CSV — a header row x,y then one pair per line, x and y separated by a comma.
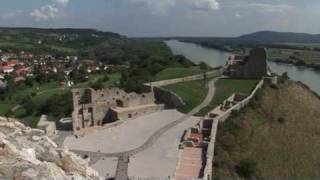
x,y
282,132
177,72
4,108
225,88
192,93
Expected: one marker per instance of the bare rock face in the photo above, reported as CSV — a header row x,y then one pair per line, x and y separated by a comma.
x,y
27,154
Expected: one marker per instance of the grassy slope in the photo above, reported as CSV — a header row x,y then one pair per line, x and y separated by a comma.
x,y
282,149
192,93
225,88
171,73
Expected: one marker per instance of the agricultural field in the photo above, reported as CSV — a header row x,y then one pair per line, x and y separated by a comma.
x,y
292,56
225,88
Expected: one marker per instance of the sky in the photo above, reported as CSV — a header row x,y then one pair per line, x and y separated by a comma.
x,y
150,18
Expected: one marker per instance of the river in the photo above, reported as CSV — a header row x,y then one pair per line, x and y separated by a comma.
x,y
215,58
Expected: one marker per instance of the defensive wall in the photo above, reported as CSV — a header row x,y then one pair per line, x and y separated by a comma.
x,y
171,99
209,74
219,116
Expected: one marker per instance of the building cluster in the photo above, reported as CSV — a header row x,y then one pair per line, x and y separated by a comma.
x,y
25,64
252,66
94,108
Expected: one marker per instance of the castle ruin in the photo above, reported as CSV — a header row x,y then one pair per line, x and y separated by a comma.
x,y
253,66
94,108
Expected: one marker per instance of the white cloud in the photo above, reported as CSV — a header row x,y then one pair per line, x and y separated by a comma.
x,y
205,4
157,7
263,7
160,7
62,2
45,13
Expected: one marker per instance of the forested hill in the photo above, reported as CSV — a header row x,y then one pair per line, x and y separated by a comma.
x,y
276,37
56,41
260,37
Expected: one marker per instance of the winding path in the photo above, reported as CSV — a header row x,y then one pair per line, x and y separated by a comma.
x,y
95,156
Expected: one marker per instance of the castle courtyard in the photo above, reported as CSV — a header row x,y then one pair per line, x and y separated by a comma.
x,y
160,159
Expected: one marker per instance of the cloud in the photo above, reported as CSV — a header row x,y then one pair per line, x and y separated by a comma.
x,y
160,7
205,4
62,2
45,13
262,8
157,7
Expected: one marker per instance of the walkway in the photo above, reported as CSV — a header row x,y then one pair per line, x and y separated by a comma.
x,y
152,139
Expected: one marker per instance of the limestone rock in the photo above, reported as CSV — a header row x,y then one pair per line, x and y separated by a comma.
x,y
27,153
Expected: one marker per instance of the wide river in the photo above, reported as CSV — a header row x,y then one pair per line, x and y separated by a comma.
x,y
215,58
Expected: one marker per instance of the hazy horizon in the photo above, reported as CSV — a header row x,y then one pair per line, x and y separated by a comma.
x,y
166,18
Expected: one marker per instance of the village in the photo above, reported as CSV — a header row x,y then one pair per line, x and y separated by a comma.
x,y
23,65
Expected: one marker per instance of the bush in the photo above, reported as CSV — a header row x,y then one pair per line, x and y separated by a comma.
x,y
246,168
273,86
281,120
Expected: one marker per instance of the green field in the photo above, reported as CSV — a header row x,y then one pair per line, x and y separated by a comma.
x,y
225,88
171,73
113,79
275,137
291,55
192,93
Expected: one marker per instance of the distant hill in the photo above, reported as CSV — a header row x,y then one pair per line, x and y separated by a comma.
x,y
260,37
280,37
66,41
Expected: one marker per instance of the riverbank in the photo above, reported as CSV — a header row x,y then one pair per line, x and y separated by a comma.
x,y
213,57
298,63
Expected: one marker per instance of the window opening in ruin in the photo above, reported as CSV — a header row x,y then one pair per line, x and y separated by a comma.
x,y
129,115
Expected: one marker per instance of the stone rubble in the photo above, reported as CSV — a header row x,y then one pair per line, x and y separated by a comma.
x,y
27,154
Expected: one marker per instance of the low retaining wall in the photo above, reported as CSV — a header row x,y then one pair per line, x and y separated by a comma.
x,y
210,74
221,118
170,99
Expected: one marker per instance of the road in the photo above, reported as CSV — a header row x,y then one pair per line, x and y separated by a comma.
x,y
152,139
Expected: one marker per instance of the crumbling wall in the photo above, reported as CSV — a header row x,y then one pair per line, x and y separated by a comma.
x,y
220,119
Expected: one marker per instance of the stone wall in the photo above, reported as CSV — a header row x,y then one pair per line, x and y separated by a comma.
x,y
210,74
220,119
91,108
170,99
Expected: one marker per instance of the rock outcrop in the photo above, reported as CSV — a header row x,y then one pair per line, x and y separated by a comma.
x,y
27,153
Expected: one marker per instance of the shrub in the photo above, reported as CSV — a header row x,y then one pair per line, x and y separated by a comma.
x,y
246,168
273,86
281,120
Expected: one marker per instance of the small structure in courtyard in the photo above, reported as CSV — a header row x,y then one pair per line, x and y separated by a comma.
x,y
253,66
94,108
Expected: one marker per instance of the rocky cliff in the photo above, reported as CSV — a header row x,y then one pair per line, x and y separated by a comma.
x,y
27,153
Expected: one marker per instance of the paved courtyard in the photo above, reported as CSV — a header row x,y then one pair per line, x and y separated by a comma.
x,y
160,160
157,161
126,136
